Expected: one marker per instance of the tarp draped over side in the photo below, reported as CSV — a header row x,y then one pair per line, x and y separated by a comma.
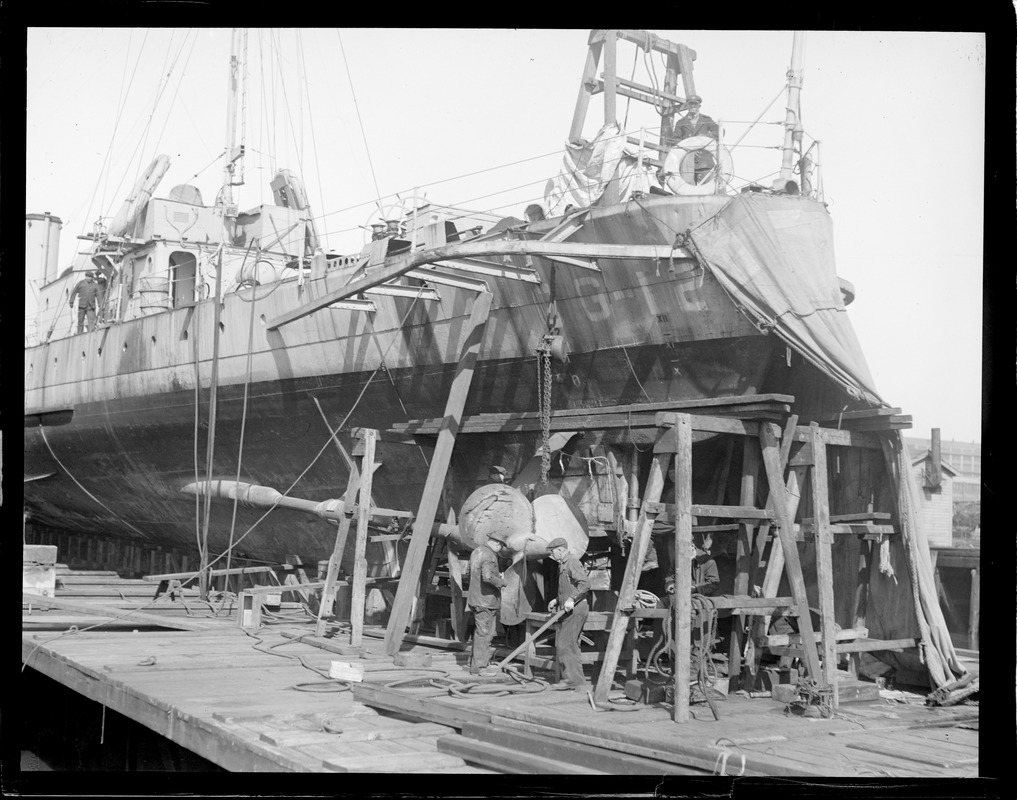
x,y
937,651
589,171
774,256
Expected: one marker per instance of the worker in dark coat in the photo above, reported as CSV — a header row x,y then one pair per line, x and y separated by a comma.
x,y
694,123
484,598
573,586
87,292
705,577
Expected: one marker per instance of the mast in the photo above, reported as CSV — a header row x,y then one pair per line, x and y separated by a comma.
x,y
792,120
234,152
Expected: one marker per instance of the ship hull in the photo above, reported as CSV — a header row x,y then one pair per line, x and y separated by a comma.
x,y
636,331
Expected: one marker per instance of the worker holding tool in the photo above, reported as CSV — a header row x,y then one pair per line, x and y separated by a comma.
x,y
484,598
573,586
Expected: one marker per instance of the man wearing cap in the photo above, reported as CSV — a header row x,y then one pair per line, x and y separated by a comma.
x,y
497,474
705,577
694,123
484,598
573,586
87,292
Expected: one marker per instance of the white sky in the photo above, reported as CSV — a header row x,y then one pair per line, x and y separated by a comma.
x,y
900,117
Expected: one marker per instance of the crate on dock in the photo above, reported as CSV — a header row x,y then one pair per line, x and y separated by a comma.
x,y
38,569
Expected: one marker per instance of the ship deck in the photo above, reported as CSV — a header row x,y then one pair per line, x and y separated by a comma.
x,y
255,702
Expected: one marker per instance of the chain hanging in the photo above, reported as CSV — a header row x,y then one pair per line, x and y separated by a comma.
x,y
544,406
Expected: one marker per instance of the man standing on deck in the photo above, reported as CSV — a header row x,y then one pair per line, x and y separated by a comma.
x,y
87,291
694,123
573,586
484,598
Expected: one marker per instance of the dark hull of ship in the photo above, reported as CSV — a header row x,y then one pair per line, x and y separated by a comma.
x,y
138,467
637,331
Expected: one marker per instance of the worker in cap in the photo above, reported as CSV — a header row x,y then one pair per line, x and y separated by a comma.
x,y
694,123
573,586
86,291
497,474
705,577
484,598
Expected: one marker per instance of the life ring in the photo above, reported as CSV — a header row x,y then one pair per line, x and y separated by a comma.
x,y
708,184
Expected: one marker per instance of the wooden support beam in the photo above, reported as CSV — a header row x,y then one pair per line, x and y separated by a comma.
x,y
630,579
610,73
682,567
824,559
771,461
359,590
589,74
215,573
743,554
339,547
410,575
973,621
99,610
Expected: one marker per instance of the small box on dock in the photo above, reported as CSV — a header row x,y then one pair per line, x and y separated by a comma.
x,y
346,671
38,570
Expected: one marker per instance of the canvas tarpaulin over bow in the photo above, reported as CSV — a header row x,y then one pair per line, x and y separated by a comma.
x,y
774,257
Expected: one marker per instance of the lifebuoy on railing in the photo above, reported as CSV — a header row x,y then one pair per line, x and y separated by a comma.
x,y
691,183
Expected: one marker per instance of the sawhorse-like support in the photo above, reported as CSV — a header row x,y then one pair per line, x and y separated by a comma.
x,y
675,440
359,482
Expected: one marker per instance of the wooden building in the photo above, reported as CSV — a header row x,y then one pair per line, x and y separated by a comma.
x,y
936,498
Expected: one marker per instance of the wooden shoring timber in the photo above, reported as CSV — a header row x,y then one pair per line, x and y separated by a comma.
x,y
630,579
328,594
743,553
774,475
359,588
824,559
426,512
682,567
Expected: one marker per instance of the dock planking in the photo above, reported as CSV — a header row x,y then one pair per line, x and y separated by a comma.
x,y
234,698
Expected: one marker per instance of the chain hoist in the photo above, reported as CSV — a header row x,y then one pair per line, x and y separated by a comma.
x,y
544,406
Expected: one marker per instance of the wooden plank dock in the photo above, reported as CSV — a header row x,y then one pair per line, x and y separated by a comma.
x,y
262,702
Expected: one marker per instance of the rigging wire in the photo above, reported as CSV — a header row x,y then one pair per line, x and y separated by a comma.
x,y
42,430
116,123
314,139
243,413
176,92
330,437
360,120
163,84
